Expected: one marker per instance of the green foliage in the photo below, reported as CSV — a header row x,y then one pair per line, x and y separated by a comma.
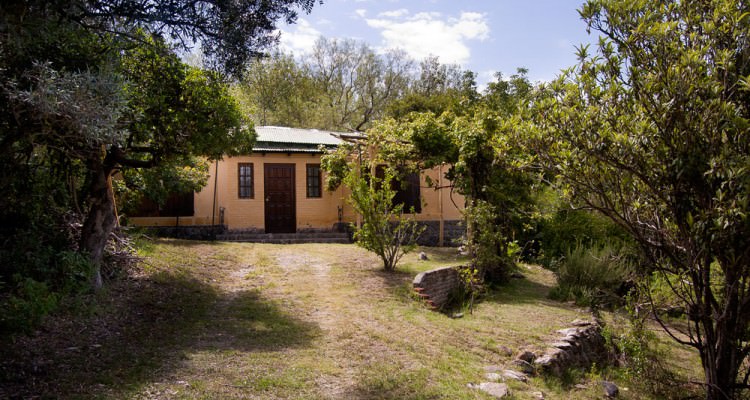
x,y
566,228
25,308
39,282
493,265
385,230
471,286
650,129
594,276
635,352
342,85
337,165
157,184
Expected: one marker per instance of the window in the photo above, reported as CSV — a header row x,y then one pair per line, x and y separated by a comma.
x,y
246,181
313,180
176,205
407,190
407,193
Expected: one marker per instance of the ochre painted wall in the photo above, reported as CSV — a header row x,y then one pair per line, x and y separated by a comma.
x,y
312,213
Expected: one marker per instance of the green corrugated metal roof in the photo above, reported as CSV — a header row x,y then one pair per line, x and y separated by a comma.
x,y
295,140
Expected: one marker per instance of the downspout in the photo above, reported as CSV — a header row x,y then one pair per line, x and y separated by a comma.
x,y
359,171
441,239
213,208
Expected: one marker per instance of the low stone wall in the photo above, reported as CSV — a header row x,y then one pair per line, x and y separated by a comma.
x,y
196,232
578,347
453,231
437,286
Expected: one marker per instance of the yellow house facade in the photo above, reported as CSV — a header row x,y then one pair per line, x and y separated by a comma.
x,y
279,188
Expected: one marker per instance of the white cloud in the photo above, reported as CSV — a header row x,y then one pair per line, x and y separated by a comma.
x,y
361,12
301,39
394,14
429,33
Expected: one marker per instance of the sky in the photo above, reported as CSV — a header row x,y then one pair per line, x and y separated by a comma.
x,y
484,36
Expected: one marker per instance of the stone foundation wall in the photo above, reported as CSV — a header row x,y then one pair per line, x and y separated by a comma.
x,y
437,286
578,347
196,232
453,231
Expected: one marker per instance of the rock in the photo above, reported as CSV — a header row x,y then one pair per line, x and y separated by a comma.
x,y
492,368
527,356
569,332
493,376
610,389
505,350
497,390
538,395
510,374
561,345
523,366
581,322
422,256
457,315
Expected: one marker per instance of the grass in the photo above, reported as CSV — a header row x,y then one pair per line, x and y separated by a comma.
x,y
221,320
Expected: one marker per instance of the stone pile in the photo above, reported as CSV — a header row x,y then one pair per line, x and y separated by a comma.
x,y
578,347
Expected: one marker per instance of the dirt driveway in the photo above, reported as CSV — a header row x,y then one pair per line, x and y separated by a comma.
x,y
254,321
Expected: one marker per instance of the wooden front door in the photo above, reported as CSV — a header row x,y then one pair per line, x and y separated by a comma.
x,y
280,206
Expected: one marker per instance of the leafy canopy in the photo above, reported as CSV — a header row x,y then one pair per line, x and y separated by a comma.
x,y
651,130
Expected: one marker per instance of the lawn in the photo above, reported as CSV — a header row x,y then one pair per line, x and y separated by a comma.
x,y
204,320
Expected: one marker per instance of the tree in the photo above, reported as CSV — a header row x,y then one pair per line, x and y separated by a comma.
x,y
354,83
385,230
373,180
652,131
279,91
438,88
89,88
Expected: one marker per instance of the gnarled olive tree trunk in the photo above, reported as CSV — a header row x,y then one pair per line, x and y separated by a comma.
x,y
100,219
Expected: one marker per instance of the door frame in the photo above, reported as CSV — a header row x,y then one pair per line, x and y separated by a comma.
x,y
266,213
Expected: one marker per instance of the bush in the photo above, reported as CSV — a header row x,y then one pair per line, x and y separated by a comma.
x,y
633,349
565,228
40,267
385,230
24,309
493,254
594,276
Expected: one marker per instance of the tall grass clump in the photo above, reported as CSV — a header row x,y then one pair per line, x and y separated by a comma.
x,y
598,275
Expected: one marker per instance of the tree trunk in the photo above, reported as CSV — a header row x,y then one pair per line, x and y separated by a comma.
x,y
723,325
100,220
720,371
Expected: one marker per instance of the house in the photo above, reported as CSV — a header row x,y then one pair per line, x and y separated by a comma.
x,y
279,188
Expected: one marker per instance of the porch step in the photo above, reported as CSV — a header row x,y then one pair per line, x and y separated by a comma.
x,y
285,238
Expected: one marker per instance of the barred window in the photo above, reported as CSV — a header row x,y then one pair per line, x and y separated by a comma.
x,y
246,181
313,180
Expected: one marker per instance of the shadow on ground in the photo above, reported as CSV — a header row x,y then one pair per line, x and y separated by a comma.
x,y
139,331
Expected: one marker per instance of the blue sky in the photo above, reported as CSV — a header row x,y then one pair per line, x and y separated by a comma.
x,y
481,35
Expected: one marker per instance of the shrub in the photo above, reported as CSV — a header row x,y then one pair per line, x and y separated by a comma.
x,y
24,309
565,228
633,349
385,230
594,276
493,254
